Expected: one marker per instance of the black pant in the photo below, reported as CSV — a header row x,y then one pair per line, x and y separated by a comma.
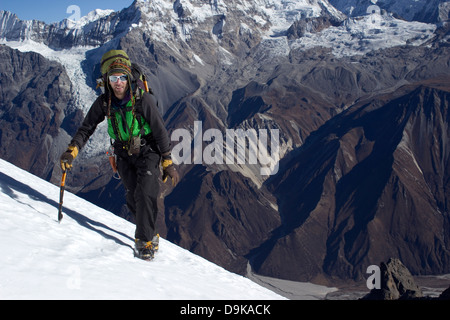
x,y
140,175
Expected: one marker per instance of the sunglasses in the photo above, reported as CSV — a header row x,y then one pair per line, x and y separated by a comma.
x,y
116,78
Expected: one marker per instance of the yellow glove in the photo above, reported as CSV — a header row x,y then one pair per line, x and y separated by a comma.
x,y
170,171
67,157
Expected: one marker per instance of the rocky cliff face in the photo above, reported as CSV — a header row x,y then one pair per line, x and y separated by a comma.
x,y
362,188
35,95
362,114
220,215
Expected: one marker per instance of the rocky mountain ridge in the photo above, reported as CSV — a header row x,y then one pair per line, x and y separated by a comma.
x,y
356,105
34,94
366,178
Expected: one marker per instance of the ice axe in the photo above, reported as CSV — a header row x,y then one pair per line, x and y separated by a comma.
x,y
61,195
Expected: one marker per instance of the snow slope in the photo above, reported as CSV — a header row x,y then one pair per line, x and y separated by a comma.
x,y
89,255
359,36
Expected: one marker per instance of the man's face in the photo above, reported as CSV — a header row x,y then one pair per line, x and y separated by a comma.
x,y
120,86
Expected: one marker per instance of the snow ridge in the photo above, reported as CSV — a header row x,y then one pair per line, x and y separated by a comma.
x,y
358,36
89,255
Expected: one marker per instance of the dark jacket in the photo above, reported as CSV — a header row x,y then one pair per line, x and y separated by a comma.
x,y
147,106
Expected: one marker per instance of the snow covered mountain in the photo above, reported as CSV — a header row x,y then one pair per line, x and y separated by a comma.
x,y
89,255
181,21
433,11
200,38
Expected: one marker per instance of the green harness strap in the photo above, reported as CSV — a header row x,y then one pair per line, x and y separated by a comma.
x,y
139,127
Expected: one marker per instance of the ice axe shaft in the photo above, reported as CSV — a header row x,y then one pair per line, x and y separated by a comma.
x,y
61,195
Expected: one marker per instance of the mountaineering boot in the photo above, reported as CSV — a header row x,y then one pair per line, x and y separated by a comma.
x,y
155,242
144,250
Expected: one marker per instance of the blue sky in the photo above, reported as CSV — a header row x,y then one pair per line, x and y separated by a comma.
x,y
53,11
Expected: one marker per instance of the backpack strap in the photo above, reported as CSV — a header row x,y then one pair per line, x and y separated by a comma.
x,y
112,119
141,121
